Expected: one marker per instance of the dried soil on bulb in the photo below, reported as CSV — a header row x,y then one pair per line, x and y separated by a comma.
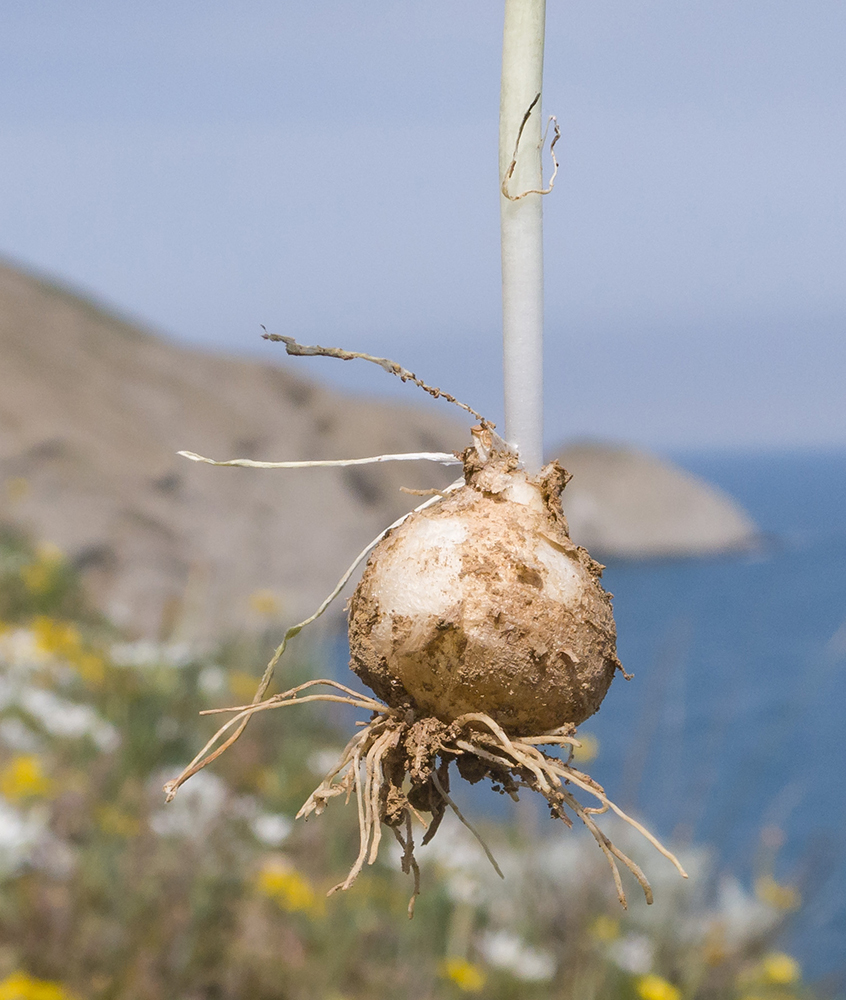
x,y
482,603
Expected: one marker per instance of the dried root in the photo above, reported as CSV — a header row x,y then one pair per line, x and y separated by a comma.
x,y
397,765
239,723
391,367
509,173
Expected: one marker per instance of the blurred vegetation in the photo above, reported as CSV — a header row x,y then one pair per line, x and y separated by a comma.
x,y
105,892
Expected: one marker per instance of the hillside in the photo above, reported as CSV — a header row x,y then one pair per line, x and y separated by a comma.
x,y
94,409
92,413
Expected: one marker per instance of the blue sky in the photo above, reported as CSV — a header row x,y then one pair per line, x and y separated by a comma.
x,y
329,169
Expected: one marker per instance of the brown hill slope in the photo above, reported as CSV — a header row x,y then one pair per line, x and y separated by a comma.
x,y
92,412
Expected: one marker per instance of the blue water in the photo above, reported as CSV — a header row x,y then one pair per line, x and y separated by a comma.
x,y
735,719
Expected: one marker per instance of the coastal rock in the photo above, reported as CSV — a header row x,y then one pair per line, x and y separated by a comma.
x,y
625,503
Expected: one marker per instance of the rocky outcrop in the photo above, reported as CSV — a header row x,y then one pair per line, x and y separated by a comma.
x,y
625,503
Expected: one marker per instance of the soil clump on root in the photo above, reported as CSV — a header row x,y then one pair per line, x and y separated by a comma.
x,y
398,766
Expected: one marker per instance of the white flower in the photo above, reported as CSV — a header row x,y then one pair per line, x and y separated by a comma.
x,y
743,916
67,718
212,680
21,652
18,736
505,950
144,653
633,953
271,828
322,761
190,814
20,834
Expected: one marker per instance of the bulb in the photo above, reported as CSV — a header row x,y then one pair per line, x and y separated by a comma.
x,y
482,603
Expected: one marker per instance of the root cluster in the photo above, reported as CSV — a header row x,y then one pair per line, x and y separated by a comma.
x,y
398,767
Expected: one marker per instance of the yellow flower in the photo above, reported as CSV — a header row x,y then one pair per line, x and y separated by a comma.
x,y
780,897
40,575
37,577
469,978
62,640
777,967
20,986
22,778
656,988
265,603
715,951
91,667
17,488
288,888
242,685
57,638
605,928
588,750
114,822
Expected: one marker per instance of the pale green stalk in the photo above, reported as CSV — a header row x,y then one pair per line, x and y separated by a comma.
x,y
522,227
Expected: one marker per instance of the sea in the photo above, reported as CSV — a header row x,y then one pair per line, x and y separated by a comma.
x,y
732,732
